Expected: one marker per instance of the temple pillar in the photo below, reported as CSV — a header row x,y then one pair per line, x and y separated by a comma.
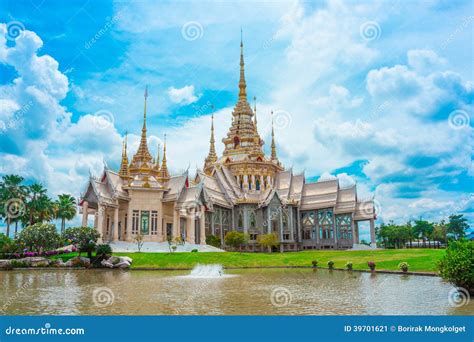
x,y
191,225
372,234
161,227
100,221
356,230
354,238
96,218
202,222
175,224
85,213
116,222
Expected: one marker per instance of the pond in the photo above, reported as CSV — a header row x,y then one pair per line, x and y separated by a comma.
x,y
239,292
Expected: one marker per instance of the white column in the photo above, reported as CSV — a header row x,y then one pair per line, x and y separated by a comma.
x,y
190,226
161,228
372,233
100,221
176,222
85,214
202,222
116,222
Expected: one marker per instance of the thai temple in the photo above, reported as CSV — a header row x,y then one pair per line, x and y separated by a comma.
x,y
243,190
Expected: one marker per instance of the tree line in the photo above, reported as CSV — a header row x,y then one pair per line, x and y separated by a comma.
x,y
393,235
29,204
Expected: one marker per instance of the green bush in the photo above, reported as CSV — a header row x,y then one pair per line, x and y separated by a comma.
x,y
4,240
18,264
194,251
80,236
40,236
213,240
403,266
268,241
103,249
314,263
331,264
235,239
349,266
457,266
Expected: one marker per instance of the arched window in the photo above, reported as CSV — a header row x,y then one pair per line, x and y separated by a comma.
x,y
250,182
257,185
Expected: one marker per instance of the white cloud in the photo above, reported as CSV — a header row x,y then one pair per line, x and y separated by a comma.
x,y
183,96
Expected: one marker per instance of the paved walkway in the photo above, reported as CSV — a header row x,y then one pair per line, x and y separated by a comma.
x,y
159,247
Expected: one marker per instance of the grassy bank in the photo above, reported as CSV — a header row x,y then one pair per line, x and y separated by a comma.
x,y
423,260
420,260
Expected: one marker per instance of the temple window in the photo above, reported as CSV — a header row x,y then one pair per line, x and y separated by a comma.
x,y
135,221
207,223
308,223
257,185
326,224
226,219
236,142
344,226
252,220
216,218
125,225
240,220
145,222
107,230
154,222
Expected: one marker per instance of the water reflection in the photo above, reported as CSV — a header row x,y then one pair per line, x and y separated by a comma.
x,y
249,292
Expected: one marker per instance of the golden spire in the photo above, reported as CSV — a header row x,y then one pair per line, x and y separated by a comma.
x,y
242,84
143,154
164,168
212,156
157,162
274,155
124,171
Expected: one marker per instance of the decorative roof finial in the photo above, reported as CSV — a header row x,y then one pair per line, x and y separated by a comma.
x,y
274,156
242,84
212,156
164,167
124,171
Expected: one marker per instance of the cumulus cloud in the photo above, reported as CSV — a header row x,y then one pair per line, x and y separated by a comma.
x,y
183,96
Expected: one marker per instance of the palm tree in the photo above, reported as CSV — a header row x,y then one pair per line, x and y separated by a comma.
x,y
12,197
65,209
40,207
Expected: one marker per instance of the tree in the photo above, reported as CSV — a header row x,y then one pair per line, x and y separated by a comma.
x,y
39,237
65,209
12,198
235,239
440,232
423,229
213,240
457,226
268,241
457,266
40,208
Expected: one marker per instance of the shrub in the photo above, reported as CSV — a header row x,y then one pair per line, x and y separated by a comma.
x,y
4,240
103,249
314,263
194,251
371,265
268,241
213,240
235,239
457,266
39,236
18,264
349,266
331,264
83,238
403,266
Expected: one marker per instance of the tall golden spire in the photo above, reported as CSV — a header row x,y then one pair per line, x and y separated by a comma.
x,y
157,162
212,156
274,155
242,84
143,154
124,172
164,168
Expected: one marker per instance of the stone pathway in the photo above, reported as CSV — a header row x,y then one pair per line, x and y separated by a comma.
x,y
160,247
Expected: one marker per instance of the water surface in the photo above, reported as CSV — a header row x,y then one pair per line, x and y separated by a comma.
x,y
248,292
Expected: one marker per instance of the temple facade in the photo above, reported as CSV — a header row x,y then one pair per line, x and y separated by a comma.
x,y
243,190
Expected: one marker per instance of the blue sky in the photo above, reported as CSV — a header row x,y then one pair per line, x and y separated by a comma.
x,y
380,93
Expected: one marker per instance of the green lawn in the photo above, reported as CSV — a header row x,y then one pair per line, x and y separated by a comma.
x,y
418,259
423,260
